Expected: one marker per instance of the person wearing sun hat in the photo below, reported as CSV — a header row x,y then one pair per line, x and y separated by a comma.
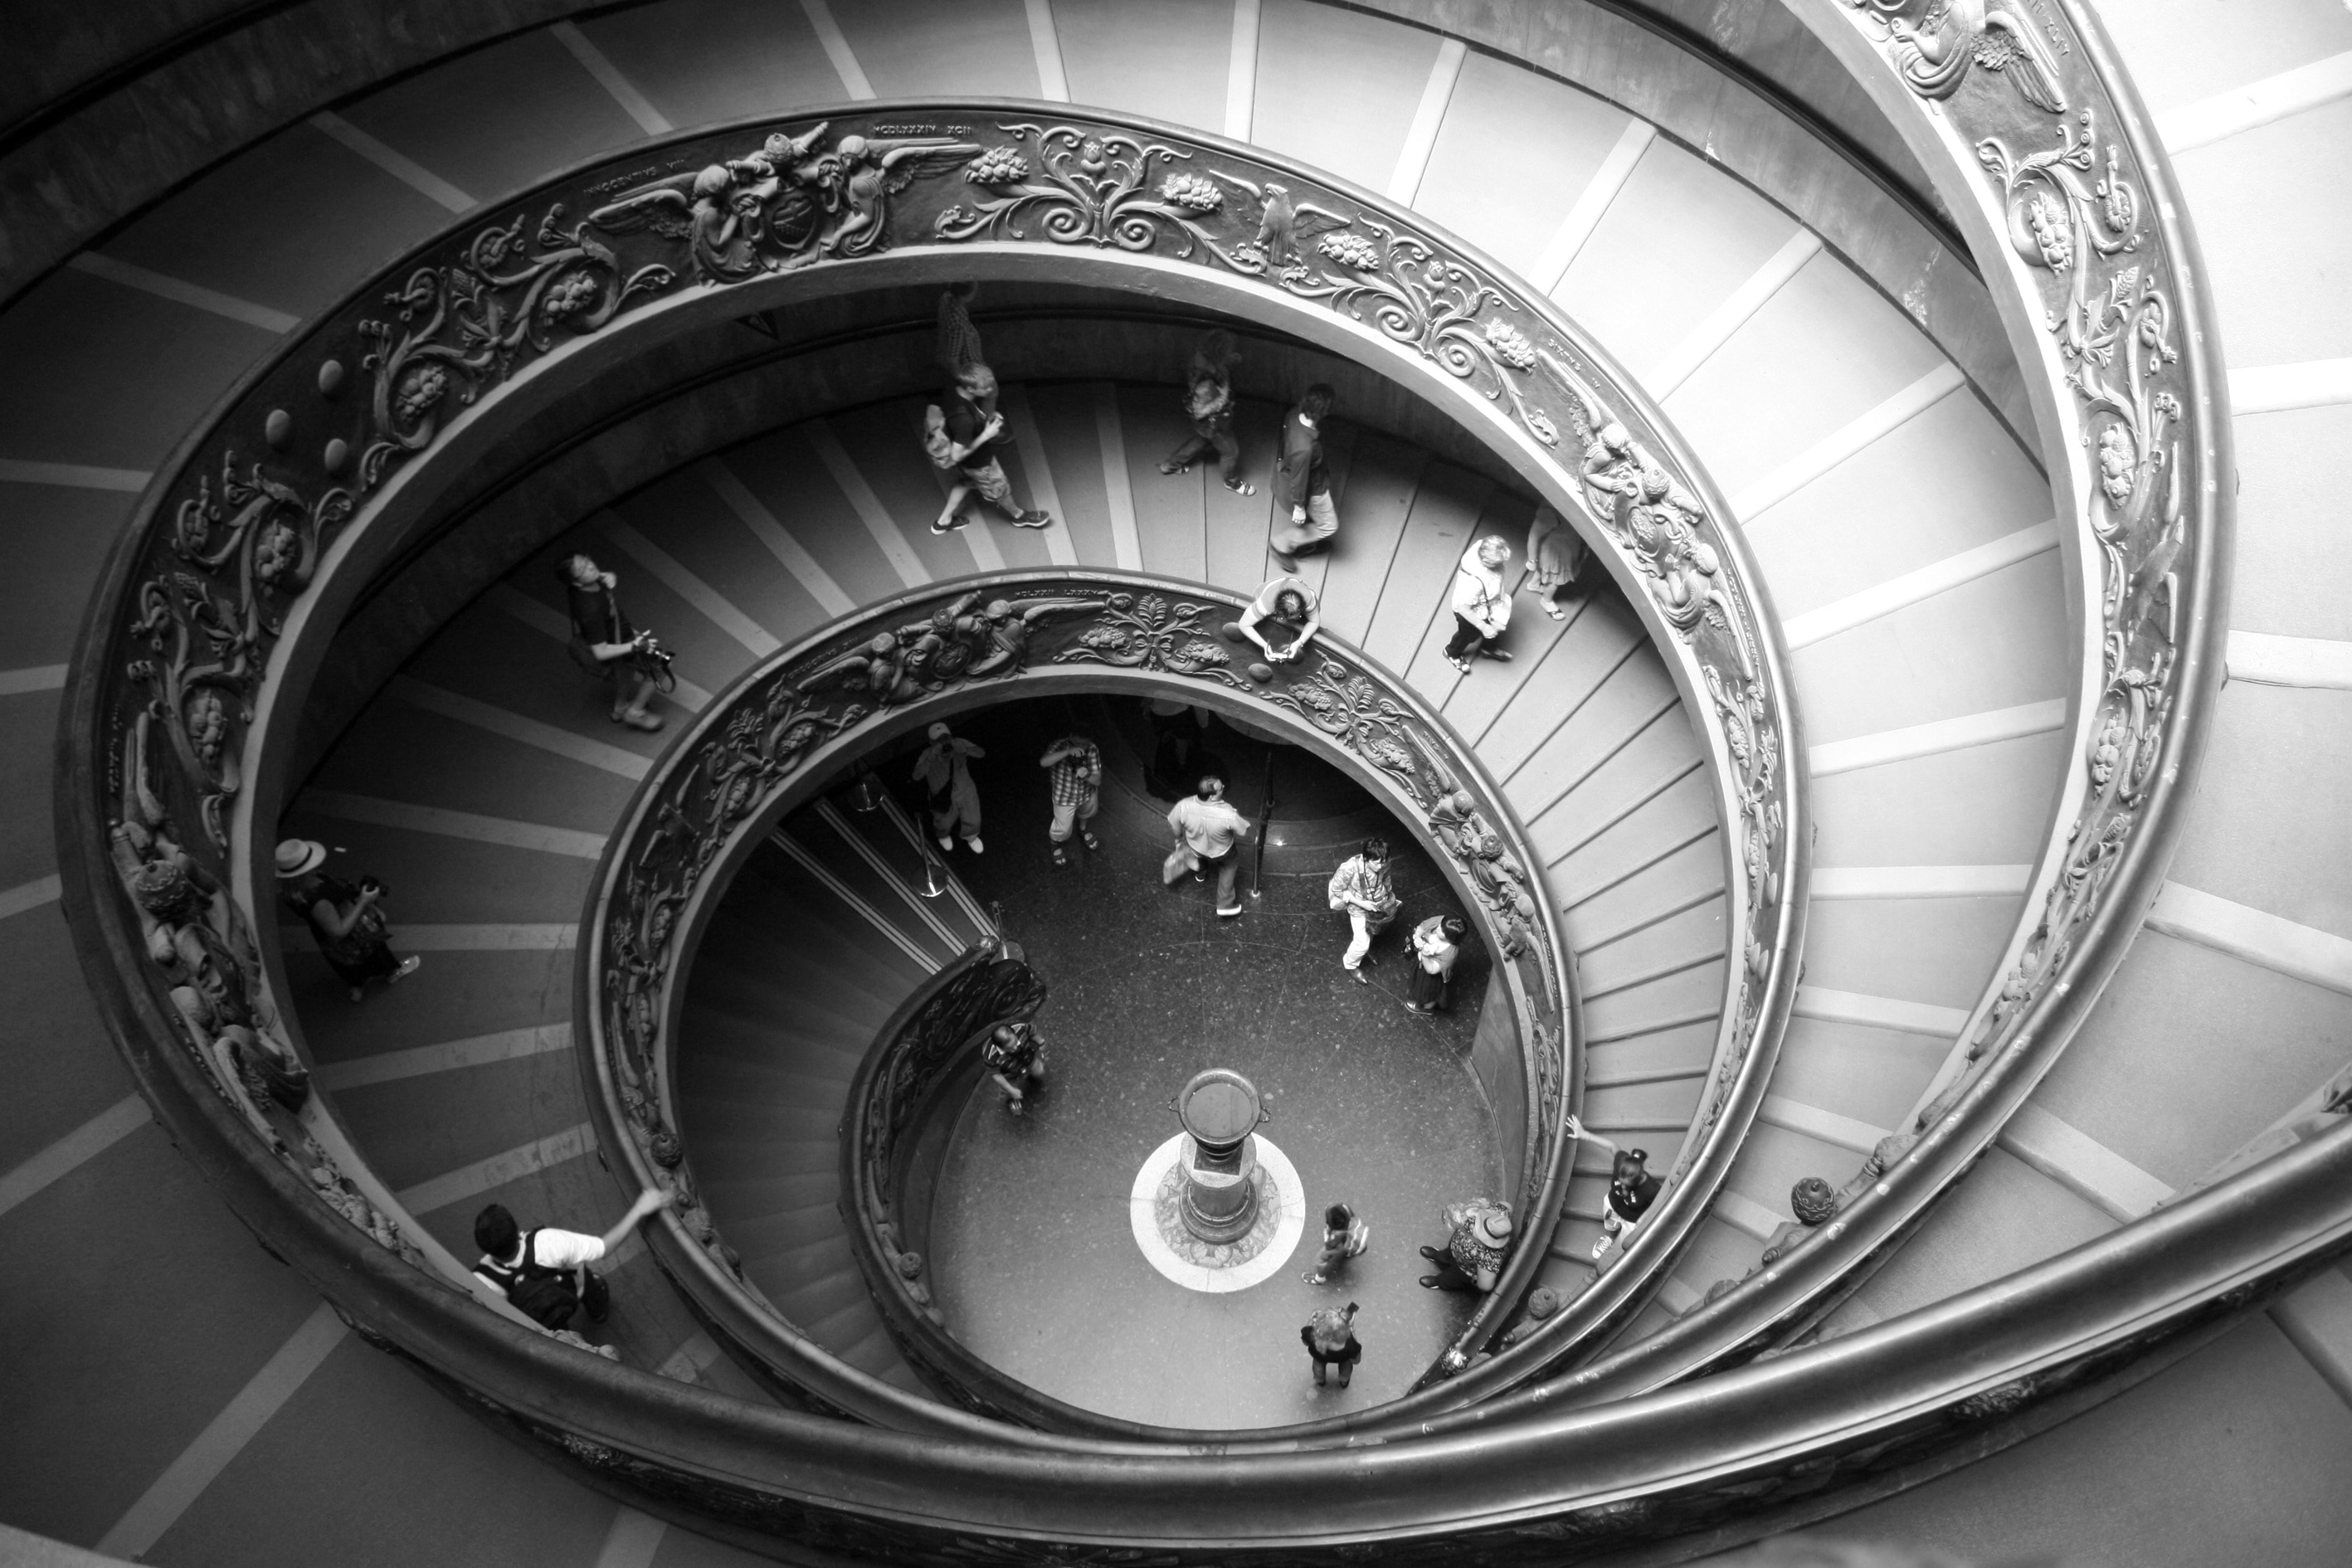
x,y
347,922
1472,1258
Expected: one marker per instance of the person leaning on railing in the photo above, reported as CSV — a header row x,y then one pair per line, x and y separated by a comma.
x,y
544,1273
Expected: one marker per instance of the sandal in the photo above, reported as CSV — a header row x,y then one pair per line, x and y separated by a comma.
x,y
1088,836
1061,856
1554,611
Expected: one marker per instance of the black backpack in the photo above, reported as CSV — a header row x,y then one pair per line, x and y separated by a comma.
x,y
546,1296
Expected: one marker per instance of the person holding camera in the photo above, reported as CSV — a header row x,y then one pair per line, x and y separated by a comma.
x,y
348,922
607,647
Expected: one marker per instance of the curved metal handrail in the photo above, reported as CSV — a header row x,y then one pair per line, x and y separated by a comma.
x,y
215,613
793,722
2045,156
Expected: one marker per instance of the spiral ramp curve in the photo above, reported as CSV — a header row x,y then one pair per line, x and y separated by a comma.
x,y
176,1395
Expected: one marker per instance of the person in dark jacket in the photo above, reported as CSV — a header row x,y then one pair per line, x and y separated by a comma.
x,y
1631,1190
1209,403
1302,483
604,643
1331,1340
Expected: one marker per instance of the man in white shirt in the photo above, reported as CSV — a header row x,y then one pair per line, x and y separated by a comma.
x,y
1208,824
544,1273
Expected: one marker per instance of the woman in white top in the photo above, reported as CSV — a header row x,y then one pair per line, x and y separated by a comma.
x,y
1482,606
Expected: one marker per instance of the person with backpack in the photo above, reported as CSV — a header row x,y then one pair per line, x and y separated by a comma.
x,y
348,922
544,1273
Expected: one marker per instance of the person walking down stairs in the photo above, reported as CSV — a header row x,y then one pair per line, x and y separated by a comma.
x,y
607,647
544,1273
1302,483
1209,405
973,425
946,771
1482,606
348,922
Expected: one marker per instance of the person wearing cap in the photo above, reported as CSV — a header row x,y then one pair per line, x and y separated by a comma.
x,y
1631,1190
348,922
1014,1055
944,768
1480,1239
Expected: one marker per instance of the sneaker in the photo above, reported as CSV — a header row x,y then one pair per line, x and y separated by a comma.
x,y
408,966
1459,663
948,527
1312,1277
1175,468
1033,519
638,719
973,844
1227,914
1240,486
945,841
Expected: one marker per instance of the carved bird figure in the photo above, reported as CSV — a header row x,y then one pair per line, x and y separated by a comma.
x,y
1283,225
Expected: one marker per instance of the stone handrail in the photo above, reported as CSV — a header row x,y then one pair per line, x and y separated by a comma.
x,y
790,724
329,458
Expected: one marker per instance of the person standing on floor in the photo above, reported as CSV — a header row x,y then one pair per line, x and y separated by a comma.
x,y
348,922
1014,1055
1360,890
1331,1340
1436,943
1209,403
1344,1236
1478,1239
974,429
1287,606
544,1273
1074,767
1302,484
1555,555
945,769
1482,606
604,644
1207,828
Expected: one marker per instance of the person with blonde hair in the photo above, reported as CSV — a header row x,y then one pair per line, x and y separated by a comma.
x,y
1482,606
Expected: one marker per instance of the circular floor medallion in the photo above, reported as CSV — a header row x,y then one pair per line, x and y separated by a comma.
x,y
1210,1266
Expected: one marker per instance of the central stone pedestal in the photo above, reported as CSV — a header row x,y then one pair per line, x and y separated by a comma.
x,y
1221,1111
1156,1205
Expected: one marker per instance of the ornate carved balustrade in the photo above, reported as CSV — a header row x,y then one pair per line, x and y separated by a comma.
x,y
789,726
333,455
2045,157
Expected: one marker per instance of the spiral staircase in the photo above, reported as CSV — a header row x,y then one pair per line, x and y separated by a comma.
x,y
1744,210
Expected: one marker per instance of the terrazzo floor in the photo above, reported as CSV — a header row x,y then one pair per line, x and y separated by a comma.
x,y
1030,1242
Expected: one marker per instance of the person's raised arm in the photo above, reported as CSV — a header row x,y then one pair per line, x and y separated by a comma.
x,y
649,1200
1576,1129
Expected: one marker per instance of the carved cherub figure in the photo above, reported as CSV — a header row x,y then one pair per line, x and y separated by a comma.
x,y
870,171
1009,629
877,667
